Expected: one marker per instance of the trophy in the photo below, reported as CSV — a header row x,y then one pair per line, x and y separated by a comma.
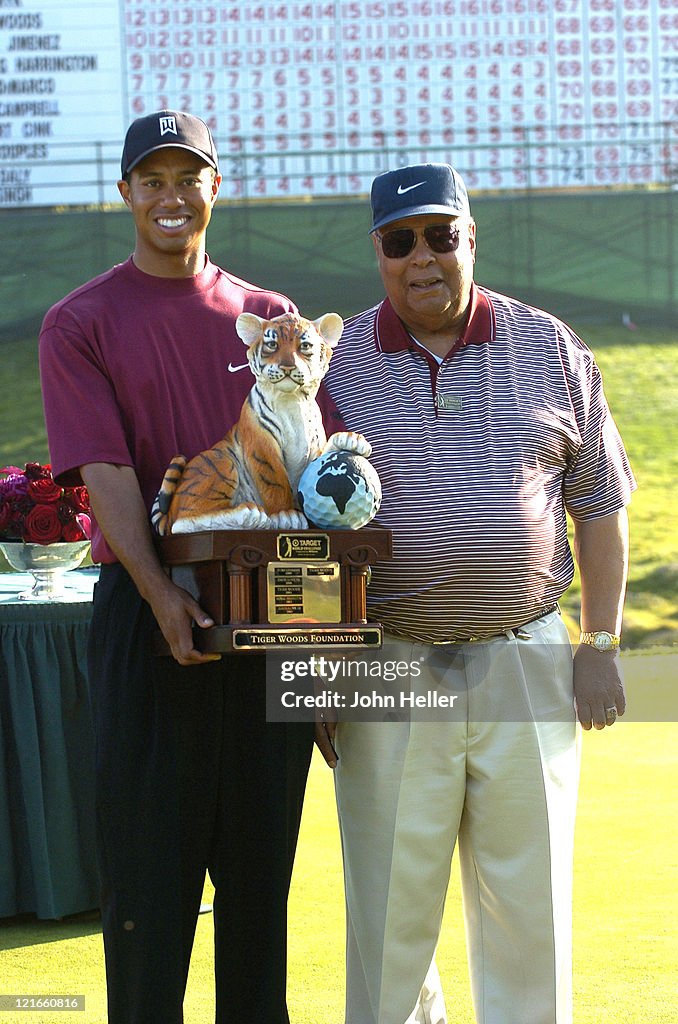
x,y
280,557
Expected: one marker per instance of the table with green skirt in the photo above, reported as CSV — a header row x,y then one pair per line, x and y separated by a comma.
x,y
47,852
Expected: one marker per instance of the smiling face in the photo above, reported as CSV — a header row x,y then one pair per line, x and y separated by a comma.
x,y
171,194
430,291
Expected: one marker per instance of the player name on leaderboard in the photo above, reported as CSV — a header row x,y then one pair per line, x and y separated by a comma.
x,y
315,98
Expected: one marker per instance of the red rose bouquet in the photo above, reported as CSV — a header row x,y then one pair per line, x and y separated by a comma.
x,y
36,510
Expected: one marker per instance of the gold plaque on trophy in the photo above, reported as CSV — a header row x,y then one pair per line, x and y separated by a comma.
x,y
306,591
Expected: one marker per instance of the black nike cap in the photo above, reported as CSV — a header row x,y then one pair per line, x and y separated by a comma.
x,y
418,189
164,129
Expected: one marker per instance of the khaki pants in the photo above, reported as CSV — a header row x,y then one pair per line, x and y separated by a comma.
x,y
499,775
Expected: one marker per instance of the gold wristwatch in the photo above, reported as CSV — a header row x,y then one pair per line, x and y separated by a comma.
x,y
601,640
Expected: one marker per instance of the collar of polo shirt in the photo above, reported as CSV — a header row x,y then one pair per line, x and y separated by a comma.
x,y
393,336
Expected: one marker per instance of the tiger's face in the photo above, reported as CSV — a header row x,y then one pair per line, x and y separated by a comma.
x,y
289,352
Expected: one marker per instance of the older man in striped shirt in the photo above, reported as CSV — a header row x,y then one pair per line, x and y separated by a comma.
x,y
489,425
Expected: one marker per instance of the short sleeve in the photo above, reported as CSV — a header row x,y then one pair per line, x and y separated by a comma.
x,y
599,480
82,417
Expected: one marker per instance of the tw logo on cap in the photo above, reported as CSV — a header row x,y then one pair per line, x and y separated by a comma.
x,y
167,124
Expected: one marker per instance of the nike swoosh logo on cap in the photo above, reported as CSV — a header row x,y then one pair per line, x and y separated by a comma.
x,y
234,369
402,191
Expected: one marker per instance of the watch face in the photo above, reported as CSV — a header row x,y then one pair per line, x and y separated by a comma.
x,y
602,642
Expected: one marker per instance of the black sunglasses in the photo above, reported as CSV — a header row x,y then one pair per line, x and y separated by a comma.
x,y
401,241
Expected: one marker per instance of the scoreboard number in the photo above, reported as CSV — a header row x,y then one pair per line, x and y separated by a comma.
x,y
316,98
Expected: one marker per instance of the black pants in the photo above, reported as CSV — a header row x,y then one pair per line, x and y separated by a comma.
x,y
189,778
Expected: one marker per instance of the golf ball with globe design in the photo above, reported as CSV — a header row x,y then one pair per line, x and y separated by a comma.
x,y
339,490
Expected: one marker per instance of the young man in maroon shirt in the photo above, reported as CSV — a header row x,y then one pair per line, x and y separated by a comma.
x,y
137,365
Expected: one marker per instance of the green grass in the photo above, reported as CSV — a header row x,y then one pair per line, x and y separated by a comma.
x,y
624,906
641,380
640,370
22,425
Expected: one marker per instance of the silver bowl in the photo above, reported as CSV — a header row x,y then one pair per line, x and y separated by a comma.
x,y
47,563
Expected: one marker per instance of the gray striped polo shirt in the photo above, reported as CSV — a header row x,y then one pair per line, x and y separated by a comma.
x,y
479,457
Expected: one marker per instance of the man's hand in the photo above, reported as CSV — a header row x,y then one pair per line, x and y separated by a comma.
x,y
176,612
123,519
325,730
602,551
597,687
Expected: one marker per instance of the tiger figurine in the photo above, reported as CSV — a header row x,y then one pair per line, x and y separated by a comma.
x,y
248,480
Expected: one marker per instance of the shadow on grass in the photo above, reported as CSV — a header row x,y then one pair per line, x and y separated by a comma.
x,y
661,579
651,612
28,930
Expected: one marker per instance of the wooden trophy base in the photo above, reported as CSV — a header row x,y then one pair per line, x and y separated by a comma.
x,y
278,590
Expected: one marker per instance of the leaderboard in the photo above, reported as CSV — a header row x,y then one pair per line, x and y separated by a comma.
x,y
313,99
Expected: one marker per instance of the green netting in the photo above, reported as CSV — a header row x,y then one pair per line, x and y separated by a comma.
x,y
588,257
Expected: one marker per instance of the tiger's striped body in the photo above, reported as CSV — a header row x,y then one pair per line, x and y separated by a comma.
x,y
249,478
